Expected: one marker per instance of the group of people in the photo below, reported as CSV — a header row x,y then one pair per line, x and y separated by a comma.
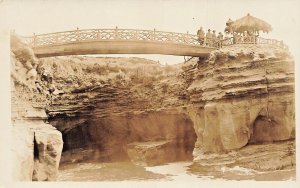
x,y
209,38
245,37
212,39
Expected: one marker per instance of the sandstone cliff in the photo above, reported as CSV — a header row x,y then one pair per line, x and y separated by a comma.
x,y
105,106
119,108
242,94
36,146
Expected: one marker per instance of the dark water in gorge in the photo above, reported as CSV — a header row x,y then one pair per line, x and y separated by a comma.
x,y
276,162
169,160
178,171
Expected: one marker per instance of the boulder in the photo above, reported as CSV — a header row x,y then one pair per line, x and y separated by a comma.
x,y
36,152
49,147
22,153
152,153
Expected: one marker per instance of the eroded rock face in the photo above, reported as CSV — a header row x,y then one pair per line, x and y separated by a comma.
x,y
36,151
231,125
22,153
36,146
276,121
108,138
47,156
241,97
249,163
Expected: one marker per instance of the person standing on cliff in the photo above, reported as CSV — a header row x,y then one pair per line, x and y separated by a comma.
x,y
201,36
208,38
220,39
245,37
214,38
235,38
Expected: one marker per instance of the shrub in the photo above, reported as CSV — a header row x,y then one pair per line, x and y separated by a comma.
x,y
164,88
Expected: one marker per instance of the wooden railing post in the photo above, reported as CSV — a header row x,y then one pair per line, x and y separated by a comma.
x,y
34,40
98,34
172,38
56,38
153,35
187,37
135,35
77,34
116,33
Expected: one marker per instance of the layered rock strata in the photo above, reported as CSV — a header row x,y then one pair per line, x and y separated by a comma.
x,y
242,94
110,108
36,146
118,102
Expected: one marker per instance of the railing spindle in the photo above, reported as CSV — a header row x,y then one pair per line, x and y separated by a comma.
x,y
135,35
77,34
56,39
98,34
116,33
187,37
153,35
34,40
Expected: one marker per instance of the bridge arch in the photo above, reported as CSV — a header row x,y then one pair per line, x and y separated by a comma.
x,y
118,41
130,41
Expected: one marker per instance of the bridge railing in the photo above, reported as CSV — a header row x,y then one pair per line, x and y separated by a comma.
x,y
66,37
251,40
113,34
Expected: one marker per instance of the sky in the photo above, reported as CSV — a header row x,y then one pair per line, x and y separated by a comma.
x,y
44,16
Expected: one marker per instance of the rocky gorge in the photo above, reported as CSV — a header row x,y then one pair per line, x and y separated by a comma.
x,y
234,108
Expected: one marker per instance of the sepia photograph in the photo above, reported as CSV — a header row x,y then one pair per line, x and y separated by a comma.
x,y
142,93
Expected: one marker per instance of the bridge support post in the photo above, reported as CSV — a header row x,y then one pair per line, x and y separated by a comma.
x,y
172,38
98,34
136,35
187,37
116,33
56,38
34,40
77,34
153,34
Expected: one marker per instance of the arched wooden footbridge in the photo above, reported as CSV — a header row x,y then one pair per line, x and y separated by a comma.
x,y
127,41
118,41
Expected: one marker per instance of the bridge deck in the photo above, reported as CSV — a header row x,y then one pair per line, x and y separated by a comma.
x,y
122,47
129,41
